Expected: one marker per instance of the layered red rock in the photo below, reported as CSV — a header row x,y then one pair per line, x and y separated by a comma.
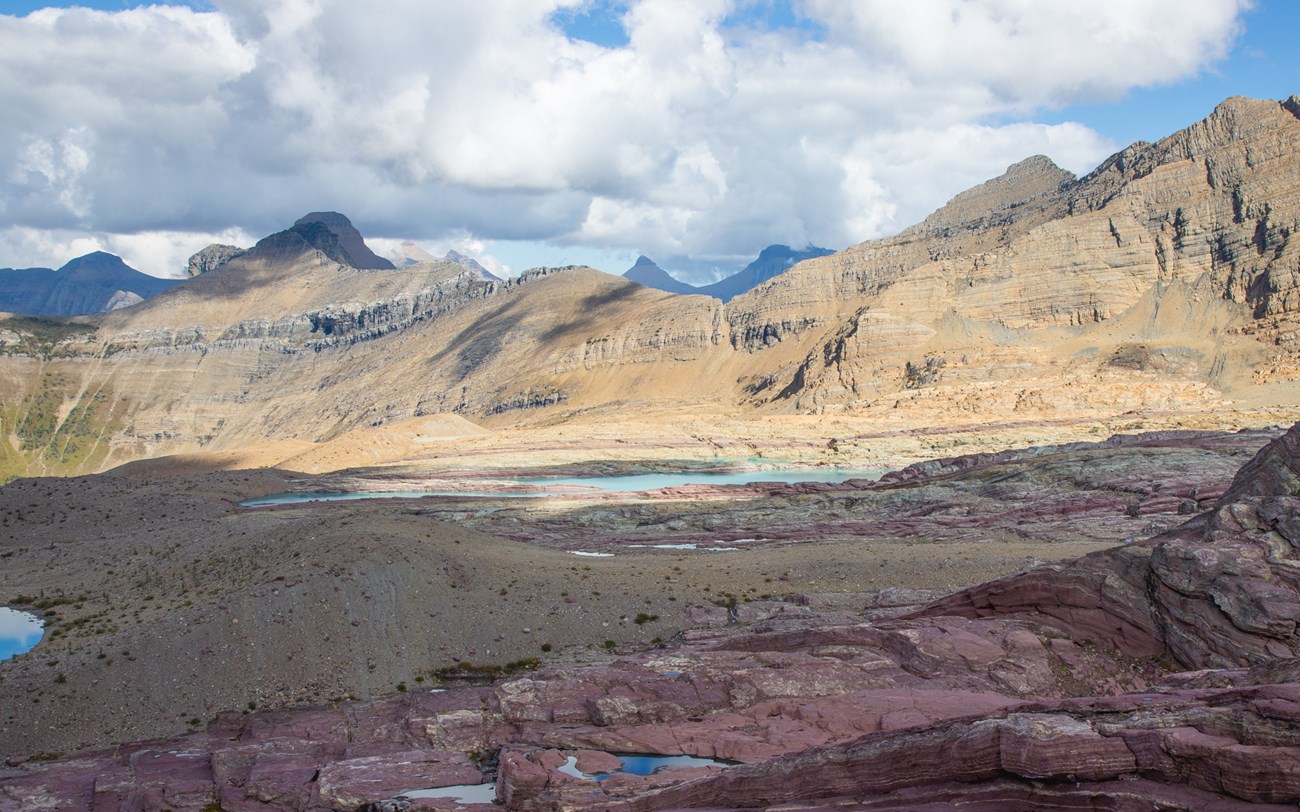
x,y
1055,688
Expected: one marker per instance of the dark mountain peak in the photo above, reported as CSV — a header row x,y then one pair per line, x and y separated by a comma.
x,y
290,244
348,247
772,261
103,268
91,283
95,261
646,272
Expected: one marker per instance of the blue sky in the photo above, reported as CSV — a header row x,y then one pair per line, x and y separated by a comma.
x,y
693,132
1264,64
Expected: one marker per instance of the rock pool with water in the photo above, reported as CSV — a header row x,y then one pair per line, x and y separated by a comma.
x,y
19,632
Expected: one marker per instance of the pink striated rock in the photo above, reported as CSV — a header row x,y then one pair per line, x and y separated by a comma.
x,y
284,779
1274,471
1048,689
353,783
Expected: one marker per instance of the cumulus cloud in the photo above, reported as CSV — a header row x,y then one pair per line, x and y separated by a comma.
x,y
161,253
703,137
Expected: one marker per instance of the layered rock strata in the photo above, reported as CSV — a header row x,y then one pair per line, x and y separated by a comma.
x,y
1161,282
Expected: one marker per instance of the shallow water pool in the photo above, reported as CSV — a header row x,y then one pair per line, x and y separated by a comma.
x,y
464,793
19,632
649,765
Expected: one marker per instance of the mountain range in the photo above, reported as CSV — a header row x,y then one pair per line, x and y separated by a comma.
x,y
1163,281
408,254
772,261
90,284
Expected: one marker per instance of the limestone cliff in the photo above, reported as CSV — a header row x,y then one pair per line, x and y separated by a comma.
x,y
1036,269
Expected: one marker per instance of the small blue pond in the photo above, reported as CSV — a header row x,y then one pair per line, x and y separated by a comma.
x,y
19,632
649,765
636,764
628,483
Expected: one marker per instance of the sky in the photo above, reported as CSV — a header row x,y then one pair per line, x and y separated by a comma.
x,y
552,132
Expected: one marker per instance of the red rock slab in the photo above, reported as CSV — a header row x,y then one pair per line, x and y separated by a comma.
x,y
1134,795
350,784
782,727
157,779
1234,746
284,780
537,779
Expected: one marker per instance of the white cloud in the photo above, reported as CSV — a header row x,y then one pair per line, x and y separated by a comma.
x,y
160,253
1022,53
462,243
442,120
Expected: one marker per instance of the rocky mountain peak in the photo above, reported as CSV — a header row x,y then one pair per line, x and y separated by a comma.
x,y
92,283
352,249
211,258
95,262
1036,178
645,272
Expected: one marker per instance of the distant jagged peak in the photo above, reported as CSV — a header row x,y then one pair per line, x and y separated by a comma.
x,y
410,253
470,263
772,261
646,272
352,248
211,258
1033,179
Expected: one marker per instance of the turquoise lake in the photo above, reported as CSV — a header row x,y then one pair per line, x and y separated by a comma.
x,y
628,483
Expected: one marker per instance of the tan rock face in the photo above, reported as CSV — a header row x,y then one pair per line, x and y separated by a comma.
x,y
1212,208
1166,279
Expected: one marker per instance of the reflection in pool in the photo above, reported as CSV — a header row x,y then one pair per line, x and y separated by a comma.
x,y
464,794
649,765
19,632
636,764
632,483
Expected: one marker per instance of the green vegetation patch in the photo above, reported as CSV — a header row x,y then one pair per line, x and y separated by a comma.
x,y
57,424
42,337
466,671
